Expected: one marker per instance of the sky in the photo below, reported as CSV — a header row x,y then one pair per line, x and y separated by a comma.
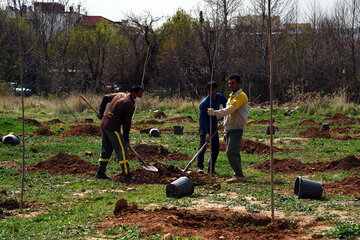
x,y
116,10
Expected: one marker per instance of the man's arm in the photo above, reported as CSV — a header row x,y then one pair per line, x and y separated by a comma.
x,y
204,127
106,99
236,103
128,113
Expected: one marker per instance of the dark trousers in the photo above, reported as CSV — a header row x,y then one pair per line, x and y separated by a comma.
x,y
215,151
113,140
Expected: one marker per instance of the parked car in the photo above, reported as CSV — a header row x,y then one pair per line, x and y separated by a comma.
x,y
17,88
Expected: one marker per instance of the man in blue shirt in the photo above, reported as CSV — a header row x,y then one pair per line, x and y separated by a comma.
x,y
204,122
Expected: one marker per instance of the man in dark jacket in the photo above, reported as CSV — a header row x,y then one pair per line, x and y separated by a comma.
x,y
119,113
204,122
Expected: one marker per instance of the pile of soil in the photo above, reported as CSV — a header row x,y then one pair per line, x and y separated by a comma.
x,y
148,122
83,130
160,115
155,153
308,122
44,132
340,119
11,204
207,224
345,130
350,185
64,163
252,147
314,132
348,163
32,121
187,119
259,122
165,175
53,121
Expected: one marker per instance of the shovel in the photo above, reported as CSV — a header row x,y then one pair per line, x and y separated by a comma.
x,y
202,147
144,165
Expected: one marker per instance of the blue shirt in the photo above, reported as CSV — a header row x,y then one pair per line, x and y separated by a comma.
x,y
204,121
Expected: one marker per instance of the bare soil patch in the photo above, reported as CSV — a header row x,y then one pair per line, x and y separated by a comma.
x,y
348,163
350,185
315,132
148,122
187,119
340,119
44,132
54,121
156,153
165,175
64,163
264,121
207,224
11,204
253,147
82,130
308,122
160,115
32,121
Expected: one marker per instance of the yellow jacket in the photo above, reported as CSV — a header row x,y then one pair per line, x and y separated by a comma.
x,y
236,112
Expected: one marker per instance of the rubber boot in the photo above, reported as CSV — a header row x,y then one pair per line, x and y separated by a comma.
x,y
101,171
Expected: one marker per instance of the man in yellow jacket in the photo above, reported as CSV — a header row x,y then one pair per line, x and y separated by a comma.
x,y
235,116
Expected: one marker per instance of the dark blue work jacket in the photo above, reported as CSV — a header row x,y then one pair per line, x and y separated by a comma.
x,y
204,121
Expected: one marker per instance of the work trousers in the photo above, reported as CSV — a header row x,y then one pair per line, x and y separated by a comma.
x,y
233,145
214,150
113,140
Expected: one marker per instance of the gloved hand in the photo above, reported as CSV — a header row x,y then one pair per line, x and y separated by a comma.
x,y
211,112
100,115
207,137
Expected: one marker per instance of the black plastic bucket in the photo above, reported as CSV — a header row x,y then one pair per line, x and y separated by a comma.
x,y
10,139
268,130
305,188
181,187
325,126
178,130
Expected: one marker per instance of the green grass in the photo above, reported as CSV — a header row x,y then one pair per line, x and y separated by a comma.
x,y
70,207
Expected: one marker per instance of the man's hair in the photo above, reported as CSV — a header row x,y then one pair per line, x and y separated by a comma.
x,y
235,76
136,89
211,84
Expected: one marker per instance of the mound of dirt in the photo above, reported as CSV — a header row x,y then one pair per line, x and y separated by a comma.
x,y
259,122
314,132
341,130
165,175
44,132
64,163
308,122
32,121
11,204
340,119
350,185
348,163
252,147
53,121
156,153
148,122
207,224
187,119
83,130
160,115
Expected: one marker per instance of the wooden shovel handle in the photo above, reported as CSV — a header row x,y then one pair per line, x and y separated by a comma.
x,y
88,103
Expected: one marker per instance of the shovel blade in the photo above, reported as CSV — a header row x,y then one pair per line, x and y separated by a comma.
x,y
150,168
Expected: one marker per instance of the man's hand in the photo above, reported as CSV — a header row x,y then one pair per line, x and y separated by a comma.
x,y
211,112
100,115
207,137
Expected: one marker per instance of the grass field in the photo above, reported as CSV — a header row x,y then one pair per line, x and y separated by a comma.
x,y
74,207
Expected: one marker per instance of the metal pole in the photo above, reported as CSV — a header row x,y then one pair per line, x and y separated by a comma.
x,y
271,114
22,110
